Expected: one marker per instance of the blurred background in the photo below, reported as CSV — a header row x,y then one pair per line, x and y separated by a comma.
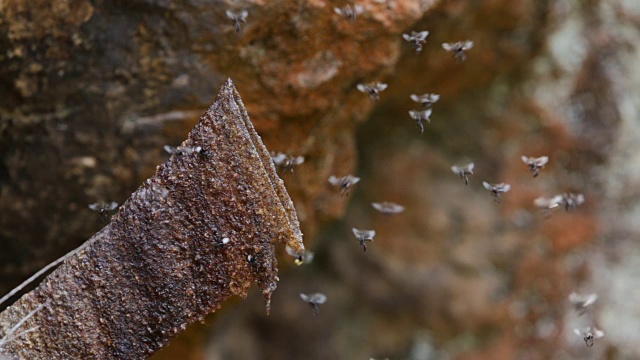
x,y
92,90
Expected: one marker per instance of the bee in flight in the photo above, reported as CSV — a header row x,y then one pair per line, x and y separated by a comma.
x,y
103,209
345,183
426,100
350,13
238,17
581,302
420,116
363,236
286,162
417,38
497,189
372,89
314,300
535,164
589,334
300,258
458,49
388,208
463,172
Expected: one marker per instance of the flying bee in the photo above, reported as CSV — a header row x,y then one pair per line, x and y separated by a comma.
x,y
426,100
300,258
535,164
184,150
350,13
222,242
103,209
571,201
238,17
363,236
388,208
582,302
463,171
372,89
345,183
496,189
314,300
286,162
458,49
589,334
417,38
420,116
548,203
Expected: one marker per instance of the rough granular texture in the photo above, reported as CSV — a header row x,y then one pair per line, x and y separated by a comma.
x,y
161,263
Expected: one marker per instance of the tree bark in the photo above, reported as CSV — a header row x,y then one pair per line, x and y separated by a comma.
x,y
161,264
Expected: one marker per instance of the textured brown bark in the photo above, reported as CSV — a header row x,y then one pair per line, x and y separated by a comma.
x,y
160,264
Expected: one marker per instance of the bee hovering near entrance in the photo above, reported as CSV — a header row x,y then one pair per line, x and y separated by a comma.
x,y
589,334
286,162
535,164
571,201
463,171
314,300
300,258
420,116
103,209
458,49
350,13
363,236
497,189
238,17
372,89
417,38
388,208
426,100
345,183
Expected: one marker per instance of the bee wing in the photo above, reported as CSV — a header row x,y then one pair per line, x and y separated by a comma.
x,y
574,298
597,333
334,180
575,331
415,98
487,186
298,160
407,37
455,169
543,160
579,199
525,159
435,97
381,86
397,208
110,206
363,88
94,206
291,252
353,179
469,167
448,47
467,45
543,202
231,15
370,234
318,298
169,149
413,114
308,257
591,298
339,11
505,187
357,232
377,206
243,15
422,35
358,9
304,297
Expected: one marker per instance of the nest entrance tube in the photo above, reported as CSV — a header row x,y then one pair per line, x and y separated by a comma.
x,y
161,263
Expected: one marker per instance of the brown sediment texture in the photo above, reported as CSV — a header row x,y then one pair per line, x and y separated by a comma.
x,y
160,264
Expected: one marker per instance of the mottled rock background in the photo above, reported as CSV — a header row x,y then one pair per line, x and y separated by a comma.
x,y
92,90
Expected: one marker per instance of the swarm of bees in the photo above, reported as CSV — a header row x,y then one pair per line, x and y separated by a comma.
x,y
458,49
372,89
286,162
463,172
535,164
238,17
314,300
103,209
350,13
363,236
344,183
388,208
417,38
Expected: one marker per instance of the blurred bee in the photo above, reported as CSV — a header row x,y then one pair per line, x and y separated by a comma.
x,y
535,164
496,189
581,303
388,208
184,150
238,17
420,116
458,49
571,201
286,162
314,300
426,100
103,209
304,258
222,242
548,203
463,172
589,334
345,183
417,38
350,13
363,236
372,89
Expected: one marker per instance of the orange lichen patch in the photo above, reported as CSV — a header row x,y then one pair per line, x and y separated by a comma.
x,y
569,231
202,229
